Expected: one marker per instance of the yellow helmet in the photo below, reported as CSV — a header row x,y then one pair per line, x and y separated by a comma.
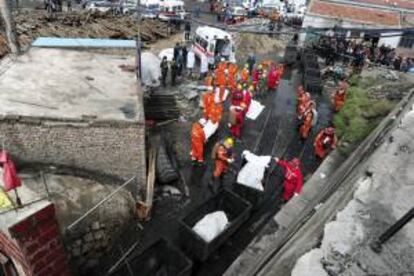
x,y
229,141
251,88
239,87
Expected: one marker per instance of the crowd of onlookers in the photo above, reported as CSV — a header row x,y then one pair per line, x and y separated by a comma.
x,y
359,54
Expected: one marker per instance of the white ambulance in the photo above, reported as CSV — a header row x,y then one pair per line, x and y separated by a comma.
x,y
172,10
212,44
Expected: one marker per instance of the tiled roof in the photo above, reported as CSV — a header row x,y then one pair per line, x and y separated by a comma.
x,y
405,4
357,14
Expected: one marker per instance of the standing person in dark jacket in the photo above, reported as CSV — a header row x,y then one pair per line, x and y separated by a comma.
x,y
177,50
174,69
187,30
164,70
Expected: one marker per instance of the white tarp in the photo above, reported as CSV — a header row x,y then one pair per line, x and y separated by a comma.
x,y
252,173
254,110
210,128
211,225
151,71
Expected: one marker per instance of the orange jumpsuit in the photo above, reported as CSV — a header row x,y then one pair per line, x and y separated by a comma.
x,y
233,70
339,100
209,80
245,74
208,104
307,124
198,139
221,66
303,103
216,112
221,163
323,143
231,82
220,78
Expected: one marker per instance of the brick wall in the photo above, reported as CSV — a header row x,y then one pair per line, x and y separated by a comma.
x,y
111,148
35,244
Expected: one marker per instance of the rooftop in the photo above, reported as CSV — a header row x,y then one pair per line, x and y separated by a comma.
x,y
401,4
355,14
70,84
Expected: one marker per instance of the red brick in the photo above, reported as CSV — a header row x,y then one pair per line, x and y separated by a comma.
x,y
49,236
355,14
32,248
38,267
39,255
46,213
22,227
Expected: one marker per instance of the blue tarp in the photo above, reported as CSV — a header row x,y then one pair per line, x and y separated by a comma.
x,y
53,42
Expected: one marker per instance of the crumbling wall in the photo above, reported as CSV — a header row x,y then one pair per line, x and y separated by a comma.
x,y
98,148
35,245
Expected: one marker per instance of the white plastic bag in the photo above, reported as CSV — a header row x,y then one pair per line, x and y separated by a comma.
x,y
211,225
151,71
254,110
252,173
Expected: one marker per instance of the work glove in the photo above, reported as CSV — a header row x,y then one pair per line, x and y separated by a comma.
x,y
276,159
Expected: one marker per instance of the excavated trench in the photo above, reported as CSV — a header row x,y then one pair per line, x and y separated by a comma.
x,y
273,133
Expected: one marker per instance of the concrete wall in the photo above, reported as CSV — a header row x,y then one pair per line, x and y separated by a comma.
x,y
35,246
99,148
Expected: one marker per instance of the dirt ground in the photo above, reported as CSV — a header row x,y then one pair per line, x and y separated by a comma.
x,y
31,24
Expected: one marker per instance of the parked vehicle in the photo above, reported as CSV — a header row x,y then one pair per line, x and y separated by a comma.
x,y
150,8
172,10
209,43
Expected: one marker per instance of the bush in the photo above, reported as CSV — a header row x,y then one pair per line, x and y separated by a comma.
x,y
359,116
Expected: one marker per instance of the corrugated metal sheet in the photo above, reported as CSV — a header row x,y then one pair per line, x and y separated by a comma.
x,y
53,42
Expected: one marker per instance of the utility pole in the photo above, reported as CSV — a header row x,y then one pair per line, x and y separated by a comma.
x,y
138,57
5,12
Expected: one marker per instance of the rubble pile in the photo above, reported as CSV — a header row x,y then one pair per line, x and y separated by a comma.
x,y
31,24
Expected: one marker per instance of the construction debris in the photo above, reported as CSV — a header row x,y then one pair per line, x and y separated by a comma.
x,y
31,24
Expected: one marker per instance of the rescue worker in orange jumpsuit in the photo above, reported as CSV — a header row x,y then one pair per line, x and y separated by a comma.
x,y
207,103
300,92
231,81
223,157
209,80
245,74
325,141
221,77
338,100
307,122
198,139
303,103
293,182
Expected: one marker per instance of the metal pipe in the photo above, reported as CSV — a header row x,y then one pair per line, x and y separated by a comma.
x,y
376,246
99,204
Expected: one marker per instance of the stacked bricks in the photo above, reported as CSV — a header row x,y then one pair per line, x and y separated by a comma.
x,y
36,245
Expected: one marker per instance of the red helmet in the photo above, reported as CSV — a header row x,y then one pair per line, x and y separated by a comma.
x,y
295,162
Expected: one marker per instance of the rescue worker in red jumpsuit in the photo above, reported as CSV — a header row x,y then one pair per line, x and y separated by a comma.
x,y
237,96
325,141
198,139
293,182
257,75
247,100
223,157
237,119
272,79
307,122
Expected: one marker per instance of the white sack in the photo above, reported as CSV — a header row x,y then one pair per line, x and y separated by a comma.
x,y
210,128
151,71
211,225
254,110
252,173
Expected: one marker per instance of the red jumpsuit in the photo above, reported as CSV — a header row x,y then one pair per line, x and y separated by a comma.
x,y
198,139
272,79
237,97
221,163
247,100
237,126
323,143
293,179
256,77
